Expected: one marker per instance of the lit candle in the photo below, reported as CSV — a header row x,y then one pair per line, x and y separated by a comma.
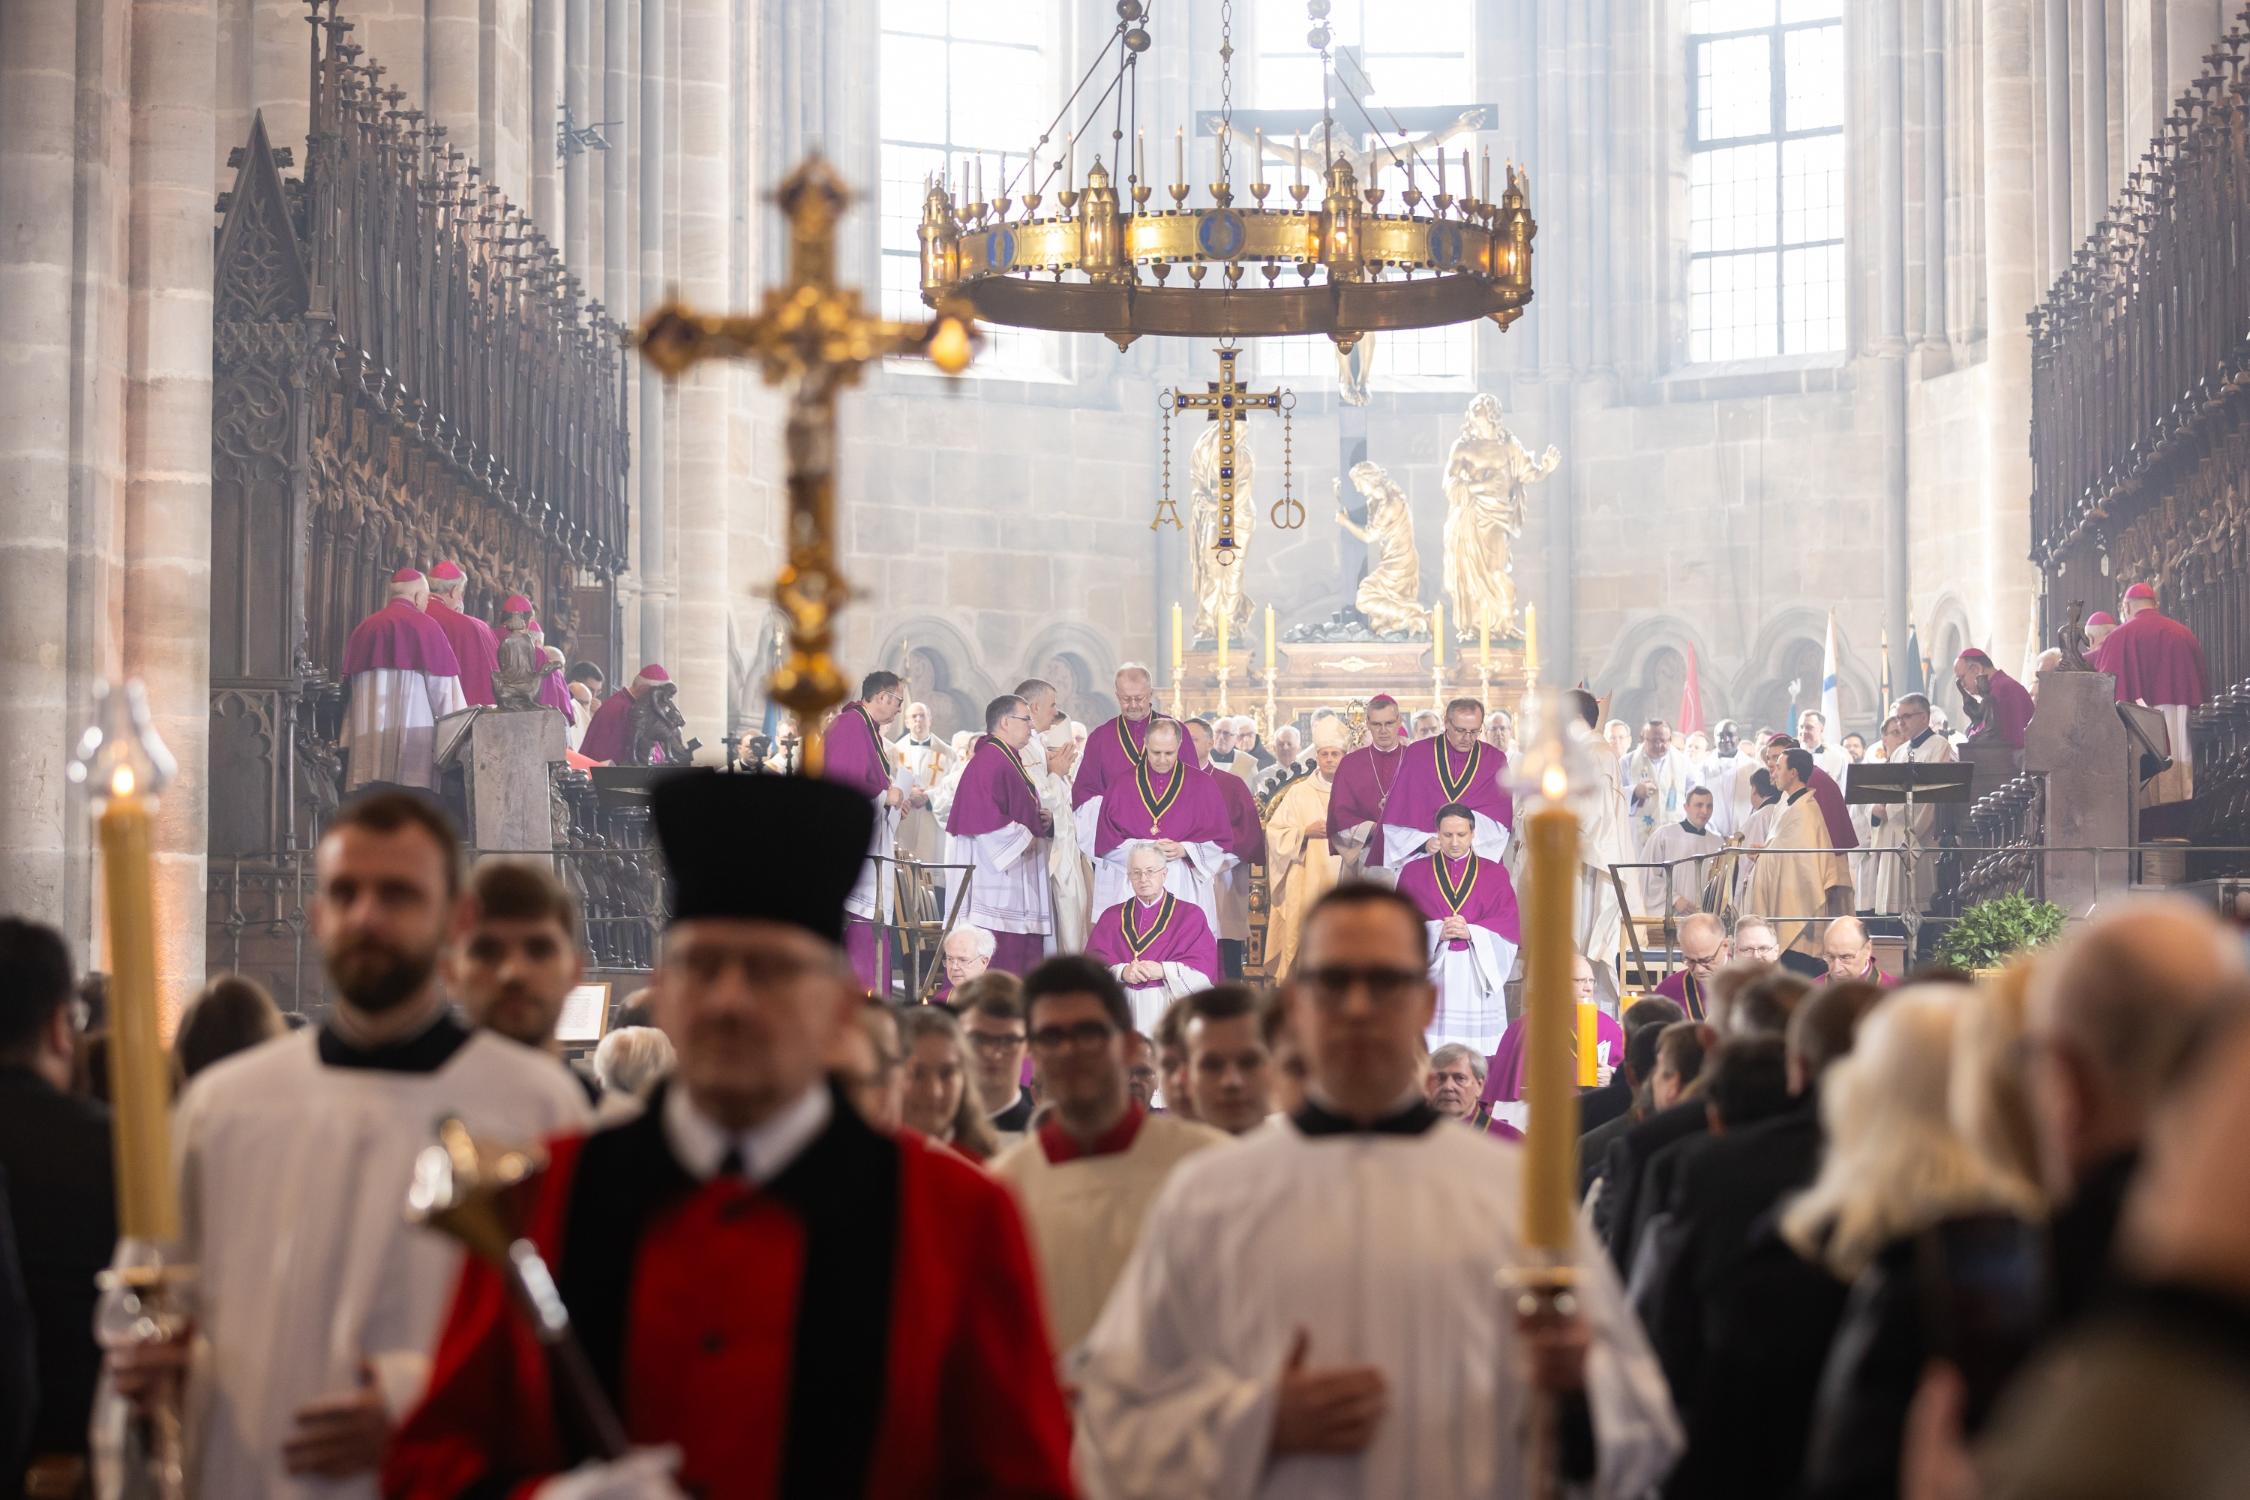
x,y
1176,645
1179,153
1258,155
1224,621
980,177
1589,1045
1441,171
1466,180
125,766
1484,646
1531,640
1140,145
1437,635
1487,193
1269,643
1550,1185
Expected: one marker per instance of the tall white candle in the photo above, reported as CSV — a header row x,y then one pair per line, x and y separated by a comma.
x,y
1179,153
1298,156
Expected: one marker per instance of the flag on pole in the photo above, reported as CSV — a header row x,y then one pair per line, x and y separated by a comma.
x,y
1828,709
1690,720
1913,681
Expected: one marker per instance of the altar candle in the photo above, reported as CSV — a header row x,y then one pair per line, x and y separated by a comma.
x,y
148,1204
1531,640
1269,643
1484,646
1176,657
1224,621
1437,636
1550,1179
1589,1045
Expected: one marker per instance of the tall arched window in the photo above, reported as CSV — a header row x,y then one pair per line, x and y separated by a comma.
x,y
961,79
1412,54
1765,178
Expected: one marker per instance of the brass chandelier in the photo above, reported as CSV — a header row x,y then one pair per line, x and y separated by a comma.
x,y
1106,261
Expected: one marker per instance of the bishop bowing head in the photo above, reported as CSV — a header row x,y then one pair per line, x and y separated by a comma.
x,y
751,982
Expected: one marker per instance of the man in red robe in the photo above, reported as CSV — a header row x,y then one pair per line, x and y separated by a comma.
x,y
2159,662
609,738
474,645
797,1303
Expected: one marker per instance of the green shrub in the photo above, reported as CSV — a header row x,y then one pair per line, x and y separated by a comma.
x,y
1992,932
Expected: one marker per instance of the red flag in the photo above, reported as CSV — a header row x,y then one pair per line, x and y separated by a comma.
x,y
1691,701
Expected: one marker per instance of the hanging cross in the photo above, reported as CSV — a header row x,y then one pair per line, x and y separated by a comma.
x,y
814,336
1225,402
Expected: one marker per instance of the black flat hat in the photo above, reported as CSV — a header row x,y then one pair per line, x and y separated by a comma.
x,y
772,848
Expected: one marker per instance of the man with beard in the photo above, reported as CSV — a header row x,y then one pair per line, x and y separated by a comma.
x,y
317,1301
518,960
777,1298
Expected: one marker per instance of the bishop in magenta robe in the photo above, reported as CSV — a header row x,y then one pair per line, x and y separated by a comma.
x,y
403,677
1456,768
1365,779
1114,749
475,648
1159,946
609,736
996,825
855,754
2158,661
1469,906
1175,809
2009,702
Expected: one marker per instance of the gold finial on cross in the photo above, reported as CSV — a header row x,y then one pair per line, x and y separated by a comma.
x,y
814,336
1226,402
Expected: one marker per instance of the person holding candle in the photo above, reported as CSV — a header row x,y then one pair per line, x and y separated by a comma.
x,y
1470,908
402,677
788,1300
1364,781
1315,1376
317,1303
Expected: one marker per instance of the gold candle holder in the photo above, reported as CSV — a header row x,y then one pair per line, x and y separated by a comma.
x,y
1179,192
1297,191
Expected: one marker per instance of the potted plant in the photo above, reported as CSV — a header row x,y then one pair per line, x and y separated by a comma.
x,y
1992,932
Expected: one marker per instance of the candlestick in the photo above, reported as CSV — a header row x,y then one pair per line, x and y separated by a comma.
x,y
1441,171
1486,192
1070,158
1258,154
1484,646
1298,157
1437,635
980,176
1467,182
1140,144
1551,1137
1177,658
1531,640
1269,645
1179,152
1589,1045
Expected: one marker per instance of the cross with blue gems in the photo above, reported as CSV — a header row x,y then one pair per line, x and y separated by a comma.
x,y
1225,402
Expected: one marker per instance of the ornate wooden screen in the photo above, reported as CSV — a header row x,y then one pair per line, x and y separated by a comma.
x,y
404,372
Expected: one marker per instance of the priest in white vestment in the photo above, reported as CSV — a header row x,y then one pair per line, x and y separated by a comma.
x,y
1367,1354
999,829
1893,892
1812,733
403,677
1726,773
1086,1176
1657,779
1678,888
1794,891
921,759
313,1291
1302,864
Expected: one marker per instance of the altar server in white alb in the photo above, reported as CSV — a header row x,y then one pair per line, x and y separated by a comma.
x,y
317,1304
1050,758
1675,877
1366,1354
403,677
1889,823
1086,1176
997,826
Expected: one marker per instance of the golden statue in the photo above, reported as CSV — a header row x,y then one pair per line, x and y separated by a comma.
x,y
1218,585
1391,593
1486,474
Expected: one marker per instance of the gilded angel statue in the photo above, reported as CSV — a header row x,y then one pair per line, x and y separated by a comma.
x,y
1486,474
1218,585
1391,593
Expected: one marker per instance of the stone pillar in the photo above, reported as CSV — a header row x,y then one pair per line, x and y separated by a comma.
x,y
578,170
2093,113
1935,322
616,288
2012,287
650,449
546,100
2056,144
449,61
38,144
504,97
167,583
699,643
1890,342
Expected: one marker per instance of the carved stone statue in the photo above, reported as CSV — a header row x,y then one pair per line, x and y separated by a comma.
x,y
1218,585
2071,639
657,725
515,684
1486,474
1390,596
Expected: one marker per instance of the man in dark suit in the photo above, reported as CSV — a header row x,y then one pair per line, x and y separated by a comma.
x,y
54,1149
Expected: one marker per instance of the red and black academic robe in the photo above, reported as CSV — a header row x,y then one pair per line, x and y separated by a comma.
x,y
868,1323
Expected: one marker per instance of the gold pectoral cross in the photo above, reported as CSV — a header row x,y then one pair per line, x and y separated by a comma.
x,y
814,336
1226,402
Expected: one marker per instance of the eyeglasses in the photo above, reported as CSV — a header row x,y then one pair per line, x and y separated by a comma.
x,y
1017,719
1332,984
995,1041
1082,1034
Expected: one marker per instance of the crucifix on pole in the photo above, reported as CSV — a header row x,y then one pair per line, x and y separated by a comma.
x,y
1227,402
813,336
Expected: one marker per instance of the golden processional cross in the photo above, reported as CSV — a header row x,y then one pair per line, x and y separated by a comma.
x,y
815,337
1227,402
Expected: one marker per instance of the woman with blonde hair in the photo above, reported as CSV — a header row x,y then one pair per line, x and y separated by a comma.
x,y
939,1100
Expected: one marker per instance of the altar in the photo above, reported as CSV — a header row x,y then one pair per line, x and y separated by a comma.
x,y
1310,675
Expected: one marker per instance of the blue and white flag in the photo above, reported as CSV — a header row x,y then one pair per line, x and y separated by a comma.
x,y
1828,709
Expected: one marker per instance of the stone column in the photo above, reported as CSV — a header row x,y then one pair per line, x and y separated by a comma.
x,y
449,60
2093,113
546,99
167,584
38,144
504,97
1890,325
2012,287
1935,322
577,171
649,450
699,644
2056,81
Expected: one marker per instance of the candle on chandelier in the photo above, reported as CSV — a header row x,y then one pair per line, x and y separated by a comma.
x,y
980,176
1257,155
1003,177
1070,159
1409,166
1487,194
1298,156
1140,146
1179,153
1467,182
1269,644
1177,658
1441,171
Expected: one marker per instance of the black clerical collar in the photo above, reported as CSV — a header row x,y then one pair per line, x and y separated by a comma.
x,y
1691,828
425,1052
1315,1119
1223,757
1793,796
1916,742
